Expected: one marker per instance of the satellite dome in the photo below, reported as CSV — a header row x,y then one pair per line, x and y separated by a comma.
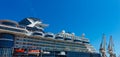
x,y
83,35
73,33
63,31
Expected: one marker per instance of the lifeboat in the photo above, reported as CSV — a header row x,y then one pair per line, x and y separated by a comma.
x,y
20,50
33,51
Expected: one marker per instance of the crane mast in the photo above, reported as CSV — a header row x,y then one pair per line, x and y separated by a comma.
x,y
103,46
110,48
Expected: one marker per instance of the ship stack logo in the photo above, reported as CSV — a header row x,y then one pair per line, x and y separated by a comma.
x,y
33,23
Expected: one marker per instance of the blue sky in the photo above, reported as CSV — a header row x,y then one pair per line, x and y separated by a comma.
x,y
92,17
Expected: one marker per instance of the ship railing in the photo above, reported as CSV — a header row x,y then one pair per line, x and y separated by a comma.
x,y
40,41
34,29
6,39
85,40
15,26
49,33
77,38
58,46
40,44
15,29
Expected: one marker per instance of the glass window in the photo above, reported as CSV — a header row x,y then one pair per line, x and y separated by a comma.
x,y
9,24
48,35
17,30
37,33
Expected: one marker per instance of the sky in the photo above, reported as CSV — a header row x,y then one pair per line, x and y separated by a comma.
x,y
92,17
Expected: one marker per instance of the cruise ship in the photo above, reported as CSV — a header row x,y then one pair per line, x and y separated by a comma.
x,y
27,38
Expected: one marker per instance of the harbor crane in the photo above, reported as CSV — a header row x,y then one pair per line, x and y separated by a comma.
x,y
110,48
103,46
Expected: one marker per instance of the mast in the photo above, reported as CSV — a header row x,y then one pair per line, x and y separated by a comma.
x,y
110,48
103,46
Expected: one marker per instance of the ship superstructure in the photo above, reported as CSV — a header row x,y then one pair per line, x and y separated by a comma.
x,y
28,38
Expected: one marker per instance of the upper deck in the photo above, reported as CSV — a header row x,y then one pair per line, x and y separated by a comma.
x,y
28,37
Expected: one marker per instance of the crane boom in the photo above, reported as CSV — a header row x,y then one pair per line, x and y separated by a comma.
x,y
103,46
110,48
